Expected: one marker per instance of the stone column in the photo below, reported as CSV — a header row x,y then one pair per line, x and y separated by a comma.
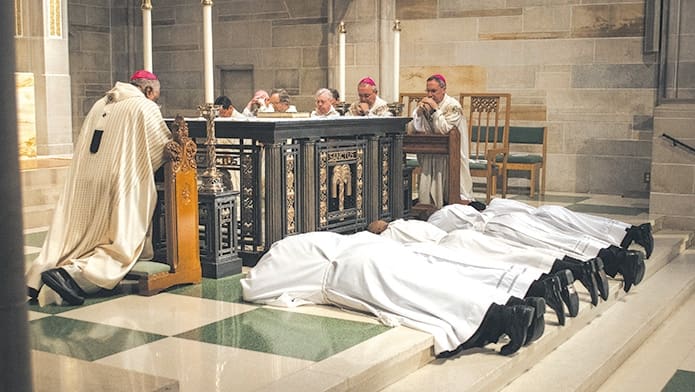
x,y
15,367
43,52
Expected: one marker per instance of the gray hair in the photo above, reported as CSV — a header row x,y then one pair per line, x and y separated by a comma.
x,y
324,91
143,84
283,95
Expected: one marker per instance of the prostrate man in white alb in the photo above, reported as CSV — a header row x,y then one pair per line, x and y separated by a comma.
x,y
376,275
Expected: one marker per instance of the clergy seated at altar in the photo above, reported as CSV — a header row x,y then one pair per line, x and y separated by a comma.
x,y
438,113
369,104
376,275
227,109
100,224
324,104
280,101
259,103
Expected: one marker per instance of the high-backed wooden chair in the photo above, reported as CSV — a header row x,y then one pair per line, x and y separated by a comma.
x,y
410,101
182,264
488,131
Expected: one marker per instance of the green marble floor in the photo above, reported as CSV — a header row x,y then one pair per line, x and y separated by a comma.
x,y
205,335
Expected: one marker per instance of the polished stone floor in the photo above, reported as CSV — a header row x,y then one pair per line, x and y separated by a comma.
x,y
208,339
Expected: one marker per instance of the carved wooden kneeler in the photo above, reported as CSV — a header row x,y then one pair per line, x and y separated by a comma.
x,y
448,145
181,215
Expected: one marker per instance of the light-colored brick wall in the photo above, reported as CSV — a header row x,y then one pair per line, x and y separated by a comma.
x,y
576,67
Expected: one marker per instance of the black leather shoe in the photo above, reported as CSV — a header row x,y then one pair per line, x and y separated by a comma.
x,y
32,293
642,235
62,283
631,266
517,319
567,292
553,297
600,277
537,327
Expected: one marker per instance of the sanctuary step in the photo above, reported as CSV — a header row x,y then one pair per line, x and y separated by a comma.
x,y
92,376
42,183
582,354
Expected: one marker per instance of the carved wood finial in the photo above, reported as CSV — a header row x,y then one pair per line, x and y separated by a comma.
x,y
181,150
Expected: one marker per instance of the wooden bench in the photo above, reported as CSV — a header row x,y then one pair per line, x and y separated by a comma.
x,y
182,259
530,156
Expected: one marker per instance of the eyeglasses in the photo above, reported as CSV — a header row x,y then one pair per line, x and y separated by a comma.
x,y
365,95
432,91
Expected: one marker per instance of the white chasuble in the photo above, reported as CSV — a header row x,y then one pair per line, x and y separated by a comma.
x,y
101,219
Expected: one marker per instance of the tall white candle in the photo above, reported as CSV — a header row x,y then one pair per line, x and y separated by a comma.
x,y
341,60
396,59
207,50
147,34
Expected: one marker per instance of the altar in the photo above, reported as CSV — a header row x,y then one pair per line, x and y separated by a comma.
x,y
300,175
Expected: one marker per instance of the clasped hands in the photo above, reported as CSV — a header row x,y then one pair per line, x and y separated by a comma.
x,y
427,106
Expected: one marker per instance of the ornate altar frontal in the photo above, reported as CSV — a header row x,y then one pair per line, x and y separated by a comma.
x,y
301,175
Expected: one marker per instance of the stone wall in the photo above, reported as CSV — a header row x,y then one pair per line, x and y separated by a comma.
x,y
575,66
100,43
41,52
283,43
673,167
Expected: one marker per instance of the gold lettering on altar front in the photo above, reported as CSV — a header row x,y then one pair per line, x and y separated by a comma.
x,y
341,156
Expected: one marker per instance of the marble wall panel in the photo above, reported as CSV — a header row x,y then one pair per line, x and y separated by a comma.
x,y
300,35
552,80
421,31
459,78
615,76
608,20
619,51
566,173
314,57
560,51
547,18
617,175
500,24
416,9
672,204
670,178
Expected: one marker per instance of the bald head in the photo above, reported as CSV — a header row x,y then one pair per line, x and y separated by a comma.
x,y
377,227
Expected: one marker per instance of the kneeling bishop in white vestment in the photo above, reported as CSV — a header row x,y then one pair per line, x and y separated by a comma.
x,y
101,221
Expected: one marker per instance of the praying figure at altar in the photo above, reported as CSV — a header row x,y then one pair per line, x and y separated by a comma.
x,y
438,113
101,222
227,110
324,104
369,104
259,103
280,101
